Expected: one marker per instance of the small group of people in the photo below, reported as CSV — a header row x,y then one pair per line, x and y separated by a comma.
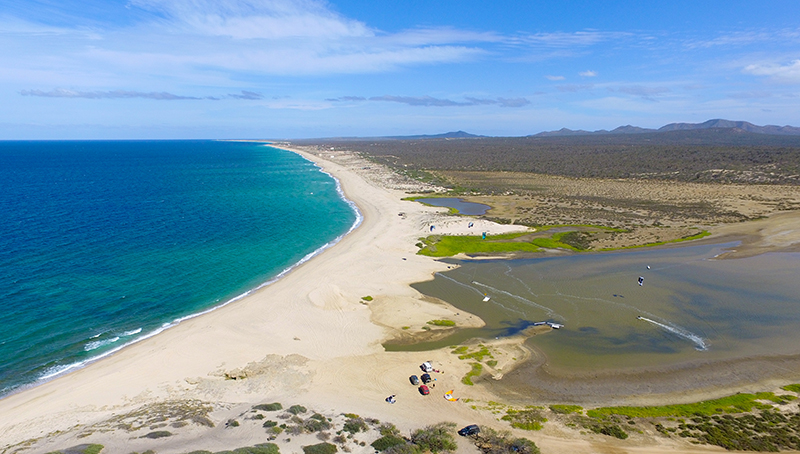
x,y
391,399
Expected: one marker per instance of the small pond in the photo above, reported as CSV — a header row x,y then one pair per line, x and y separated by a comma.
x,y
466,208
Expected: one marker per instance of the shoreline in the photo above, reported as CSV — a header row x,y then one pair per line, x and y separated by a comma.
x,y
72,367
309,338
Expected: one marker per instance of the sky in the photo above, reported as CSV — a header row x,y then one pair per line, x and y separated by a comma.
x,y
289,69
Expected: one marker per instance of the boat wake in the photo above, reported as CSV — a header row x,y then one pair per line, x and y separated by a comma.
x,y
700,343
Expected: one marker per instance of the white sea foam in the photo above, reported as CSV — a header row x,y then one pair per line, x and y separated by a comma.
x,y
56,371
700,343
101,343
132,332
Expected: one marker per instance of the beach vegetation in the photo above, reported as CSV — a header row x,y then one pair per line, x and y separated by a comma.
x,y
406,448
795,388
317,424
355,425
737,403
436,438
350,415
491,363
406,327
441,322
386,442
478,355
388,428
366,298
477,369
459,350
566,409
320,448
275,406
610,429
529,419
491,441
157,434
81,449
297,409
232,423
269,423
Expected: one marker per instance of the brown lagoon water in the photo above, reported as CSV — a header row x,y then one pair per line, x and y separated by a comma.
x,y
694,308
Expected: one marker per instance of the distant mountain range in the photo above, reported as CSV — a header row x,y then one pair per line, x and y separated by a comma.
x,y
710,124
446,135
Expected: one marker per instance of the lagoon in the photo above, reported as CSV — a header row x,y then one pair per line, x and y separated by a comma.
x,y
465,208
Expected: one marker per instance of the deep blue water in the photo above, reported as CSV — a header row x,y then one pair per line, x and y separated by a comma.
x,y
107,242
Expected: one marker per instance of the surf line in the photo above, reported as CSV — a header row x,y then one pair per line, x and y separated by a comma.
x,y
697,340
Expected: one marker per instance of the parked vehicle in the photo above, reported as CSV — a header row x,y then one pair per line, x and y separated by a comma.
x,y
424,390
426,367
414,380
426,378
471,429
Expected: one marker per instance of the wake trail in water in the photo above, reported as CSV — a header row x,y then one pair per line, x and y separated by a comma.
x,y
550,312
479,293
698,341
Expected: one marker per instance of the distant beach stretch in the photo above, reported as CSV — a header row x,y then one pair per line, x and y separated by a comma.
x,y
314,338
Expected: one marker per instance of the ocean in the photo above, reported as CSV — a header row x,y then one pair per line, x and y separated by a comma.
x,y
105,243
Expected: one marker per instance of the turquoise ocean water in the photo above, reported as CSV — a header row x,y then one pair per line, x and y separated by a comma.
x,y
105,243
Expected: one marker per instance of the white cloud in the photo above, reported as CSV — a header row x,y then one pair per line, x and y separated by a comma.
x,y
588,73
555,77
789,73
249,19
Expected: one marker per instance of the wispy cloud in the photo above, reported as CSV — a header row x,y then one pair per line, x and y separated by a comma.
x,y
588,73
579,38
429,101
128,94
789,73
554,77
644,92
250,19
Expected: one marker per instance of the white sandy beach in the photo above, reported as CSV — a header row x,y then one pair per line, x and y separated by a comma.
x,y
307,339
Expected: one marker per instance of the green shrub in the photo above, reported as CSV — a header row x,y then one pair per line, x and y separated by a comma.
x,y
441,322
355,425
406,448
264,448
525,419
316,424
494,442
477,369
566,409
269,423
366,298
297,409
158,434
82,449
320,448
738,403
388,429
611,430
795,388
435,438
275,406
386,442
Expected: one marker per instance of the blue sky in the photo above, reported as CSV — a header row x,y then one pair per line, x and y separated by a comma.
x,y
308,68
